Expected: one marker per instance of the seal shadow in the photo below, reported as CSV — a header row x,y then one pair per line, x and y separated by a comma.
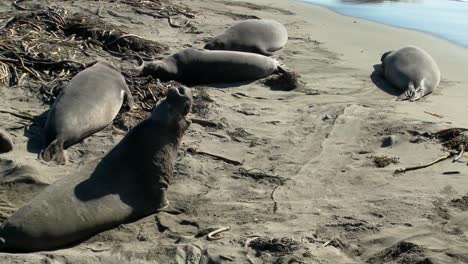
x,y
34,133
226,85
379,80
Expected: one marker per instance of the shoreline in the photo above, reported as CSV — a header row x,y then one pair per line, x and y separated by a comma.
x,y
386,24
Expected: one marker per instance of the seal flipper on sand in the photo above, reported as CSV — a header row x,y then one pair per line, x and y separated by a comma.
x,y
55,152
420,92
413,94
408,93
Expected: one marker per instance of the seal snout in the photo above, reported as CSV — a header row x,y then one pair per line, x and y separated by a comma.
x,y
180,97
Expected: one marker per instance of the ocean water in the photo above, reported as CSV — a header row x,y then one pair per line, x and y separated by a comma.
x,y
447,19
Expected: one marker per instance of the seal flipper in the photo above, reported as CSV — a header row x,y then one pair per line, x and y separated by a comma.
x,y
408,93
55,152
419,92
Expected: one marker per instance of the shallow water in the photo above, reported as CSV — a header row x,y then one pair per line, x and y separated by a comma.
x,y
447,19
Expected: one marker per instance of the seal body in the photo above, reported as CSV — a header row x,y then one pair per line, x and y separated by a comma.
x,y
129,183
6,143
253,35
85,106
412,70
196,66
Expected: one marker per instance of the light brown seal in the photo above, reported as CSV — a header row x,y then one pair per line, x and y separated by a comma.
x,y
129,183
261,36
85,106
412,70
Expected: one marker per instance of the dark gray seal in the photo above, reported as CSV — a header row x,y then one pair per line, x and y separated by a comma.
x,y
412,70
129,183
200,66
254,35
85,106
6,143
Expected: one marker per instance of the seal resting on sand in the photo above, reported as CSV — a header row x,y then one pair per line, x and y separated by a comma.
x,y
200,66
6,143
253,35
129,183
85,106
412,70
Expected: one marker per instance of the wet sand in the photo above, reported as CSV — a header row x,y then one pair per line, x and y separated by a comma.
x,y
307,190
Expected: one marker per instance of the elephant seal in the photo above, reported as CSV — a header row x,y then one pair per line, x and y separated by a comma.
x,y
200,66
6,143
129,183
412,70
85,106
252,35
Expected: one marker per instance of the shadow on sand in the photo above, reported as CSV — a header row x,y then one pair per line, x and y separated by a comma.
x,y
34,133
379,80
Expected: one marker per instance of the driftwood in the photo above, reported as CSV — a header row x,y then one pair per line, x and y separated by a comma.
x,y
211,235
227,160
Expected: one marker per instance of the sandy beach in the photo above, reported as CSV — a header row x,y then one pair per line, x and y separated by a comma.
x,y
307,189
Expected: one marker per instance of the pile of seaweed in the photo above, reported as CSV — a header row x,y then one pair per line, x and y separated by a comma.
x,y
44,48
146,92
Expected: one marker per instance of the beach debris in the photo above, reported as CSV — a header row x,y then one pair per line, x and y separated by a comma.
x,y
402,252
206,123
22,115
261,176
278,246
454,141
201,103
460,203
215,156
112,39
34,46
433,114
402,170
212,235
163,10
384,161
146,92
286,80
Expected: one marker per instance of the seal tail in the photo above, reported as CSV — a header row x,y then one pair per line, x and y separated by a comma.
x,y
55,152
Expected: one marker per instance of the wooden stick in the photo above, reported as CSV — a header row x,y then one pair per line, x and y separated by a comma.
x,y
462,151
230,161
211,236
403,170
205,123
23,116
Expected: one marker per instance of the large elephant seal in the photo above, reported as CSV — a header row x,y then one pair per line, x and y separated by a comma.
x,y
129,183
200,66
253,35
412,70
6,143
85,106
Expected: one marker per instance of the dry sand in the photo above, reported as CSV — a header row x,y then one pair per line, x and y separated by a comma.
x,y
320,198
